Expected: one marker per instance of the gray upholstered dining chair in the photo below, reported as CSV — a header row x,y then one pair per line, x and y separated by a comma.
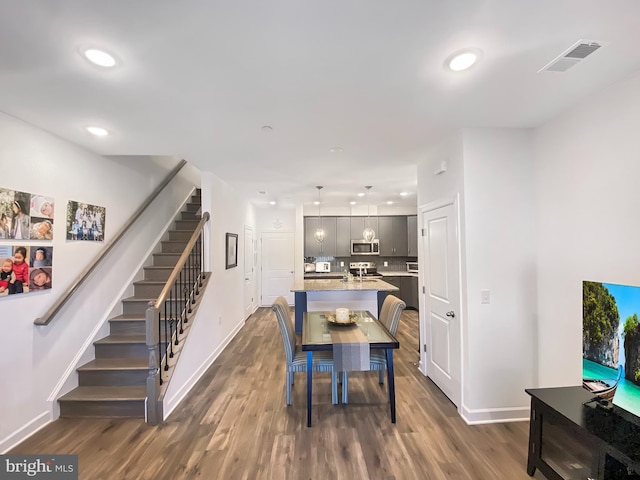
x,y
297,359
390,313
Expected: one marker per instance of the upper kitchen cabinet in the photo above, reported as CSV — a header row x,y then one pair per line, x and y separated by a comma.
x,y
358,224
412,233
343,237
392,232
315,249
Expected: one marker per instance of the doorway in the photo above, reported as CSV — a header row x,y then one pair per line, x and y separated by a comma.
x,y
278,260
440,243
250,303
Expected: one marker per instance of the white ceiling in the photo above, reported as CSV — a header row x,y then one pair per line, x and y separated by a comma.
x,y
199,78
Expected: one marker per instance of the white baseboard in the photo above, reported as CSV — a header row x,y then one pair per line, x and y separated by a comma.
x,y
170,404
25,431
494,415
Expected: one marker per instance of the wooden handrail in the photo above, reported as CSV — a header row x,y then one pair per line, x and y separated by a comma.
x,y
181,261
153,317
64,298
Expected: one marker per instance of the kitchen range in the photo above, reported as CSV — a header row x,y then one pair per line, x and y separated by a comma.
x,y
364,269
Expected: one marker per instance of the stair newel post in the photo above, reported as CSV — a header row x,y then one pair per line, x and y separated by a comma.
x,y
200,258
152,331
200,253
165,343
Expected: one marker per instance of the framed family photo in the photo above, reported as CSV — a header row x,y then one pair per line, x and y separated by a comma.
x,y
231,250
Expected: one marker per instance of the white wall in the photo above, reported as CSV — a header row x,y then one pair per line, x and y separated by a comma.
x,y
587,176
491,171
38,363
221,312
501,349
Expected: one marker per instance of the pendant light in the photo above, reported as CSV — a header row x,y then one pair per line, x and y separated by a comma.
x,y
319,233
368,234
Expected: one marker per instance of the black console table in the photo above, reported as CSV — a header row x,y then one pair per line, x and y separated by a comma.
x,y
573,438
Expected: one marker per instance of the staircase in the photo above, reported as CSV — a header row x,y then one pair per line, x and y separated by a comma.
x,y
114,384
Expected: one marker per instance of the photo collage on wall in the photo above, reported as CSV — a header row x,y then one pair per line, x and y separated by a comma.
x,y
25,266
85,221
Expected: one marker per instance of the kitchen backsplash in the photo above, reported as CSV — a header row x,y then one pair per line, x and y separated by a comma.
x,y
394,264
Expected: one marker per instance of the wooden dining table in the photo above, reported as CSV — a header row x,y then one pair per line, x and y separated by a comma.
x,y
317,336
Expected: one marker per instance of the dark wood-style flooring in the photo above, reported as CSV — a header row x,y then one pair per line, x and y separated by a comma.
x,y
234,424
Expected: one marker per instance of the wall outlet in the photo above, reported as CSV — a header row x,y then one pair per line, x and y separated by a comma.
x,y
342,264
386,264
485,296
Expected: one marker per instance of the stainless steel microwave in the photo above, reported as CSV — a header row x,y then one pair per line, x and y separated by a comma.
x,y
362,247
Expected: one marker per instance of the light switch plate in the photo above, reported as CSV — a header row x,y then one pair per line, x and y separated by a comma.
x,y
342,264
485,296
386,264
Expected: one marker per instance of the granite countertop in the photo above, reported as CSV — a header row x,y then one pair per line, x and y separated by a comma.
x,y
322,275
398,274
333,285
314,275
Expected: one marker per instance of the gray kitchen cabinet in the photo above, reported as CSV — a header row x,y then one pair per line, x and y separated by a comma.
x,y
412,236
328,247
409,291
396,282
358,224
393,236
343,236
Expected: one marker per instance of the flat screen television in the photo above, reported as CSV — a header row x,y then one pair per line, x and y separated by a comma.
x,y
611,339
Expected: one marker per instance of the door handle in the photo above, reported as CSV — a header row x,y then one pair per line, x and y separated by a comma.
x,y
450,314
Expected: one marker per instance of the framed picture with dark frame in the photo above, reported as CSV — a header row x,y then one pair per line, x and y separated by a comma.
x,y
231,250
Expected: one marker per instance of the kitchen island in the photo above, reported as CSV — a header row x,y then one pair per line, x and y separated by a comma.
x,y
329,294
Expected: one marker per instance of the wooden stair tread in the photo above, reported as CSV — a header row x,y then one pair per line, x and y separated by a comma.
x,y
147,299
116,364
128,317
101,393
115,339
150,282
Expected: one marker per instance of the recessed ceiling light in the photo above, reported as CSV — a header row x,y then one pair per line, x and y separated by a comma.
x,y
316,202
266,129
98,131
336,149
403,194
463,59
389,202
361,194
272,202
100,57
352,202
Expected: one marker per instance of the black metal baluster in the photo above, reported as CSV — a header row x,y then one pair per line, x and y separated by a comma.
x,y
186,306
176,301
171,320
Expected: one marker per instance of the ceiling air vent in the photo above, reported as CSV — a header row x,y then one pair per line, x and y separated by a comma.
x,y
570,57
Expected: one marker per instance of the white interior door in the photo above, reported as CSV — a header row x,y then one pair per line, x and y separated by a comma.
x,y
278,259
442,299
250,301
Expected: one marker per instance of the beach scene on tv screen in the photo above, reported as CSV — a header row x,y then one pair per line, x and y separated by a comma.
x,y
611,339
